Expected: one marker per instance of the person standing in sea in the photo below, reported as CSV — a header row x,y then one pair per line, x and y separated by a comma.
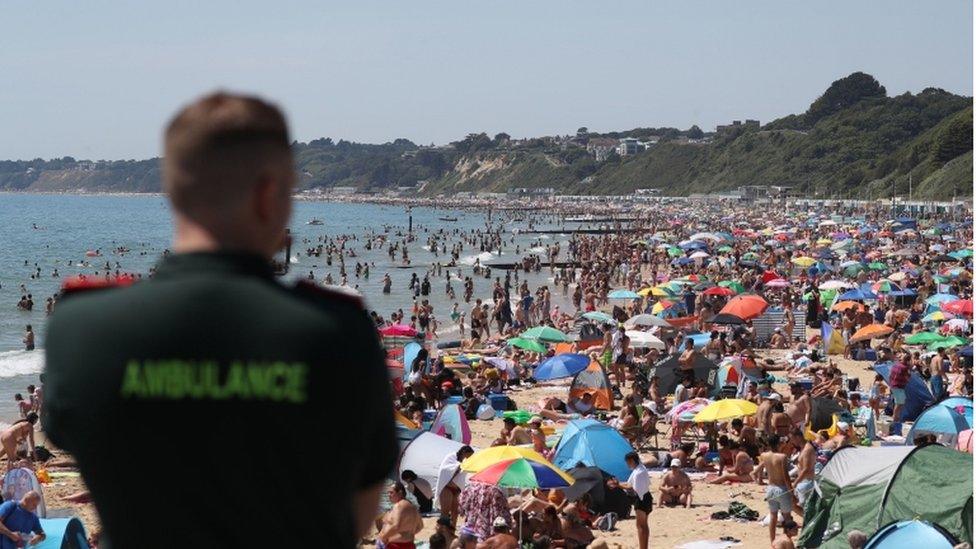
x,y
214,337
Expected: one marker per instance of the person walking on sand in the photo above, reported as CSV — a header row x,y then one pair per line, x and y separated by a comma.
x,y
779,493
639,485
15,435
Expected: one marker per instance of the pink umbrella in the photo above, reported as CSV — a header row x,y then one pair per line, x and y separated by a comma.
x,y
778,283
398,330
959,307
964,442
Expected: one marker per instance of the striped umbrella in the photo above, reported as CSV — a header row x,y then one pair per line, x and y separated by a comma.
x,y
523,473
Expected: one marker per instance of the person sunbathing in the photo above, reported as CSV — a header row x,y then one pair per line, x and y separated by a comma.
x,y
742,467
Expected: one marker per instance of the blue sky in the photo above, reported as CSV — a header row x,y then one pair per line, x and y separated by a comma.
x,y
98,79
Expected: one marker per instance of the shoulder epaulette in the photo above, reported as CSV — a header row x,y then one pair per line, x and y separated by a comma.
x,y
80,283
333,292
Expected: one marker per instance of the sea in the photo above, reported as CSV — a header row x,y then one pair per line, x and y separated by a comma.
x,y
49,232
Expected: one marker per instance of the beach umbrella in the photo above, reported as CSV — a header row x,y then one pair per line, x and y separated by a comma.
x,y
959,307
750,255
725,249
560,366
948,343
699,255
727,319
885,287
858,294
871,331
940,298
778,283
835,285
623,294
598,316
877,266
898,277
688,409
501,363
674,251
844,305
646,320
803,261
644,340
527,344
745,307
955,324
661,306
923,338
523,473
482,459
398,330
938,316
545,333
719,290
732,285
656,291
726,409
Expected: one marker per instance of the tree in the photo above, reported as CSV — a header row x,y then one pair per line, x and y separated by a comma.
x,y
843,93
501,138
580,132
695,132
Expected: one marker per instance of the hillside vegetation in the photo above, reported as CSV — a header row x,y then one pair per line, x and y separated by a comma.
x,y
854,140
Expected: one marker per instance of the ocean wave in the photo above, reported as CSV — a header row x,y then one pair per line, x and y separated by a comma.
x,y
483,256
18,363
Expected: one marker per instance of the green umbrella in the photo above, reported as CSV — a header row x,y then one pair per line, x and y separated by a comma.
x,y
953,341
732,285
675,251
527,344
725,249
877,266
598,316
750,255
924,338
545,333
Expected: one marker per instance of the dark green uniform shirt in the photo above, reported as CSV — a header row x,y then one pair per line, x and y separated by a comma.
x,y
213,407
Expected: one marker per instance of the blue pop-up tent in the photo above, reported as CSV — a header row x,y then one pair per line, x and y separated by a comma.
x,y
917,393
593,444
911,534
63,533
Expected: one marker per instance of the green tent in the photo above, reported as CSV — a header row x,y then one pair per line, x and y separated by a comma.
x,y
866,488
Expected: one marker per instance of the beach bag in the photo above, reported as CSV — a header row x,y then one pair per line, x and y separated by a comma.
x,y
607,523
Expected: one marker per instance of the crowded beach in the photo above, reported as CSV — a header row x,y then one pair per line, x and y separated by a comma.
x,y
695,376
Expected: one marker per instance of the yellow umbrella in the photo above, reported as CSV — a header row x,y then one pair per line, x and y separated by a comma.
x,y
483,459
729,408
804,261
656,291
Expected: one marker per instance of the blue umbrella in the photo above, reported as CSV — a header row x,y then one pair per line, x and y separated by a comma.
x,y
560,366
966,351
595,444
623,294
940,298
859,294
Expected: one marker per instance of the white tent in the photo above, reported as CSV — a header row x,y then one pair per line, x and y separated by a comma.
x,y
425,455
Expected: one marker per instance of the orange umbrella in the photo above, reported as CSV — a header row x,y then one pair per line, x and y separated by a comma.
x,y
844,305
745,307
871,331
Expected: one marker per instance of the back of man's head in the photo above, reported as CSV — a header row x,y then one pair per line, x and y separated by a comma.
x,y
218,149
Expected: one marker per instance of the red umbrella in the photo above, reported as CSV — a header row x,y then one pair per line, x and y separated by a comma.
x,y
959,307
719,290
398,330
770,275
745,307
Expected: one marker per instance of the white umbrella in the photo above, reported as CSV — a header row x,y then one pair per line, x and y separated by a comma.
x,y
835,285
699,255
647,321
644,340
705,236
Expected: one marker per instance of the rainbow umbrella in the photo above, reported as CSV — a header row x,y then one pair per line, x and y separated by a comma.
x,y
885,287
733,285
482,459
661,306
523,473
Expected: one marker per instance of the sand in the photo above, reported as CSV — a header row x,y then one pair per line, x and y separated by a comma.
x,y
670,527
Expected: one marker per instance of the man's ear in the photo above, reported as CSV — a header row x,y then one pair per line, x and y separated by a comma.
x,y
264,196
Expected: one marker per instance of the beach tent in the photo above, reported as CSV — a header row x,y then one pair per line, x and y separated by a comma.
x,y
410,352
911,534
917,394
451,423
603,499
18,482
594,444
864,488
945,419
63,533
670,373
593,380
424,456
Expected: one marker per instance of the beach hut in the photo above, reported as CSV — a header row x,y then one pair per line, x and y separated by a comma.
x,y
594,444
865,488
593,380
63,533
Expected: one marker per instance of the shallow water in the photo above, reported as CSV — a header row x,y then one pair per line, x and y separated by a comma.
x,y
70,225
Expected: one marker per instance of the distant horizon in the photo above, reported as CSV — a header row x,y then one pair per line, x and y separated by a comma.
x,y
102,80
